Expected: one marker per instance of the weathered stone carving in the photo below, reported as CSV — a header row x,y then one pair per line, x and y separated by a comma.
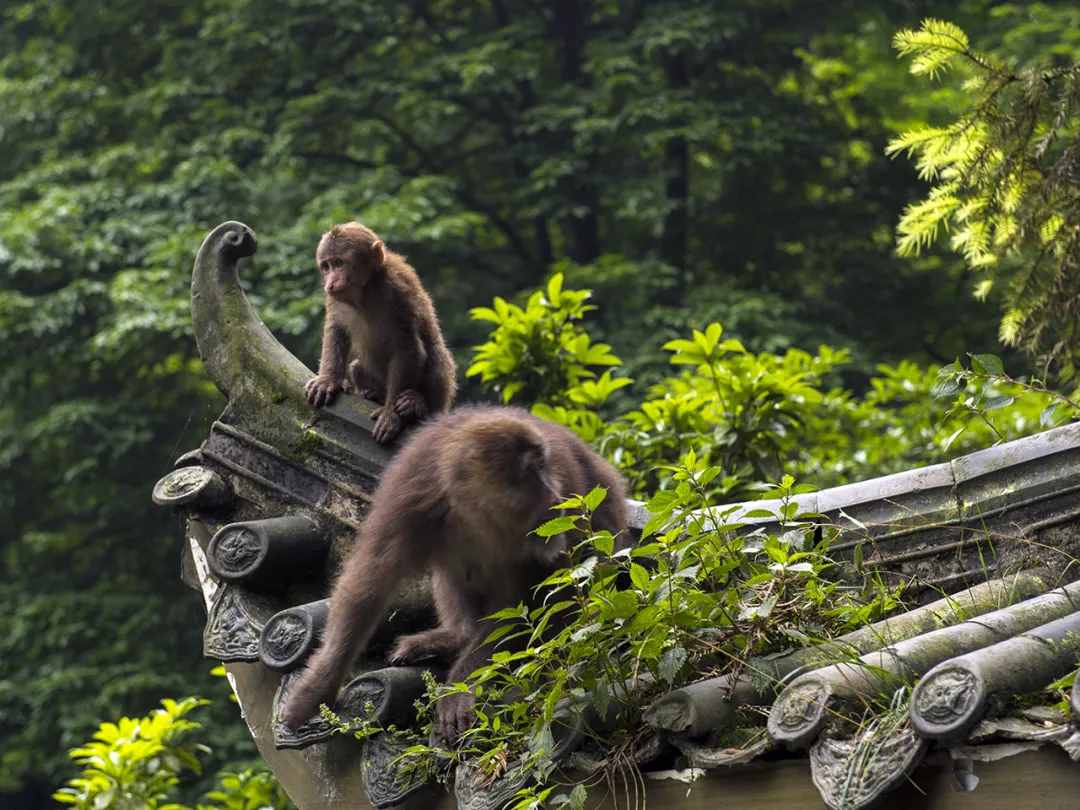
x,y
389,780
702,756
234,624
475,790
708,706
946,695
192,485
799,713
385,696
951,699
852,773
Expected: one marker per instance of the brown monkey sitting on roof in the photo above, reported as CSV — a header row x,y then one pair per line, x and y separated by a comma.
x,y
381,330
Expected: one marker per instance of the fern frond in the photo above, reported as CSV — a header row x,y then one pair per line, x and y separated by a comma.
x,y
1006,229
973,241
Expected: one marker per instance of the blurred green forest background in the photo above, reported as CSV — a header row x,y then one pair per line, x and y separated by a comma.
x,y
689,162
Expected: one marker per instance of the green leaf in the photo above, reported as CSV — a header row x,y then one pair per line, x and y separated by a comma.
x,y
557,526
554,289
604,542
953,437
1049,416
622,605
945,386
595,498
671,663
640,577
987,364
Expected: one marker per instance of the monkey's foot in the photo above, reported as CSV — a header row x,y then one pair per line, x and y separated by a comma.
x,y
321,390
437,643
456,714
387,424
410,404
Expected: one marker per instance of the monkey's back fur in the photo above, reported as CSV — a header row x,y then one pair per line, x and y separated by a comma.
x,y
460,499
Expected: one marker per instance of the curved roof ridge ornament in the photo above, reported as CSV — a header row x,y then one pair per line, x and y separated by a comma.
x,y
243,358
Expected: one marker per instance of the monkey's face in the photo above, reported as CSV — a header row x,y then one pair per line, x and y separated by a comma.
x,y
341,266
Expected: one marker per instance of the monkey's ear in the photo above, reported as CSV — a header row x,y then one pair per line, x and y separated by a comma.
x,y
378,253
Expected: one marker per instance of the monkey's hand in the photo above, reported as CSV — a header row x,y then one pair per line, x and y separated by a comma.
x,y
302,705
410,404
387,424
322,390
456,714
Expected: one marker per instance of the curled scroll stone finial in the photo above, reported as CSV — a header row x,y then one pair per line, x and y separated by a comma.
x,y
798,715
238,241
243,358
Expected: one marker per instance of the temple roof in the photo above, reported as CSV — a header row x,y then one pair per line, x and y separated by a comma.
x,y
273,496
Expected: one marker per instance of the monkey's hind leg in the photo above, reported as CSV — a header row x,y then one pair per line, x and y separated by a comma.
x,y
362,383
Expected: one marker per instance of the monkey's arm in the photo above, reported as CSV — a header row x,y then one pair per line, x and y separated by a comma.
x,y
383,555
322,389
457,712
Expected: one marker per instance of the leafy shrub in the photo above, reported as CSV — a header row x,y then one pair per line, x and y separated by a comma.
x,y
539,353
137,763
756,416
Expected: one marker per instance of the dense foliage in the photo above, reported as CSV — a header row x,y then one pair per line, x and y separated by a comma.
x,y
691,163
753,415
